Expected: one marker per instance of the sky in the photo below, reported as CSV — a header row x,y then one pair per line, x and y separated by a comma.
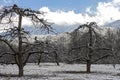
x,y
65,5
68,14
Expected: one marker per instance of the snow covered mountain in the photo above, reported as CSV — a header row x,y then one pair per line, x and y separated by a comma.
x,y
114,24
66,35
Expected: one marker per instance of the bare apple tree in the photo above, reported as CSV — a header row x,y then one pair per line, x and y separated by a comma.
x,y
48,49
16,35
89,45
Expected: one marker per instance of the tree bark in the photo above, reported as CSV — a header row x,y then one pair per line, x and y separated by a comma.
x,y
20,61
21,71
90,51
56,58
39,60
88,66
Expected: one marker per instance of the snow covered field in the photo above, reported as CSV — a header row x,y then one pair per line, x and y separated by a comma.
x,y
49,71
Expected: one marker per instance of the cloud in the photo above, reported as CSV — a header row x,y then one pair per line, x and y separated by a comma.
x,y
5,1
116,1
105,12
9,1
88,9
1,6
108,12
60,17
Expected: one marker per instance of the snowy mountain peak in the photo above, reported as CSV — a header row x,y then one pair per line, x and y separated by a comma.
x,y
115,24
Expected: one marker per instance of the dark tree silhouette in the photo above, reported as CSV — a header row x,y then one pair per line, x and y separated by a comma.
x,y
47,48
112,38
89,46
17,35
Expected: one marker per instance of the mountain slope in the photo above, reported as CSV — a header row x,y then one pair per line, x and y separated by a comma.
x,y
114,24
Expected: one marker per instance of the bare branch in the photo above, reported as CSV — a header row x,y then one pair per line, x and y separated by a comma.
x,y
9,45
105,56
6,53
79,59
103,49
32,52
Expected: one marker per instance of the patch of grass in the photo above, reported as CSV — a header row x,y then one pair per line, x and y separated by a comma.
x,y
72,72
30,76
8,75
70,79
82,72
118,74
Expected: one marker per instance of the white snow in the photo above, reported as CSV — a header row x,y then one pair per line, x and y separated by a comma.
x,y
50,71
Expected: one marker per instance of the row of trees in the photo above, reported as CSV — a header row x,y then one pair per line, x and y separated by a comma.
x,y
86,44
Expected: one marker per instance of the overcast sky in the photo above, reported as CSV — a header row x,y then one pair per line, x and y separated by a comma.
x,y
65,13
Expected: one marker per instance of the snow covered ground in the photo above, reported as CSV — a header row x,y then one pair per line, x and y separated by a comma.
x,y
49,71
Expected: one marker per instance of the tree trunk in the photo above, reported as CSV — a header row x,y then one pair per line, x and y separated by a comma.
x,y
88,66
21,71
90,51
20,60
57,62
39,60
56,58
